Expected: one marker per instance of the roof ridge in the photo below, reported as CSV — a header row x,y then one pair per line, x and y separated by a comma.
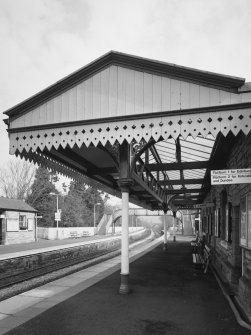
x,y
137,63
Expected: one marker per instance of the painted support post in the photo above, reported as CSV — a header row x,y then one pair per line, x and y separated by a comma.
x,y
200,225
182,222
124,285
174,226
35,227
124,183
165,231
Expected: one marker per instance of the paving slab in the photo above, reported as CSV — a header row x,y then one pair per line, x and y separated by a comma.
x,y
27,305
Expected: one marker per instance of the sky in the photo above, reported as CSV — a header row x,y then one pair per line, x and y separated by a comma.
x,y
42,41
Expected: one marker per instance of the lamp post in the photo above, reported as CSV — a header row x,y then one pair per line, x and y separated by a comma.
x,y
57,213
94,223
182,222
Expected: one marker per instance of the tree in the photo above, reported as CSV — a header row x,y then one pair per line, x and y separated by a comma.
x,y
16,179
78,207
71,212
40,197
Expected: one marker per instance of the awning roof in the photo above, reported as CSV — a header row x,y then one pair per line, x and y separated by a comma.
x,y
225,82
178,123
191,150
188,184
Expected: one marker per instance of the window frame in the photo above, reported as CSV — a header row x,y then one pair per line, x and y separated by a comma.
x,y
245,221
228,222
24,225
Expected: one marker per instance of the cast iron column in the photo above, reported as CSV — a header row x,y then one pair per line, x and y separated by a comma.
x,y
124,286
174,234
165,231
124,183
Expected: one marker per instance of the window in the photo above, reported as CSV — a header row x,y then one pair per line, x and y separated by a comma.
x,y
228,226
22,222
245,224
217,218
216,223
249,219
204,224
210,224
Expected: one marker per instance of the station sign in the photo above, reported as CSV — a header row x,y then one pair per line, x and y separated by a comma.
x,y
232,176
57,216
208,204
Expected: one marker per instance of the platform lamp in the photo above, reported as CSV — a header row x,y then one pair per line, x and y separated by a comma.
x,y
94,219
57,214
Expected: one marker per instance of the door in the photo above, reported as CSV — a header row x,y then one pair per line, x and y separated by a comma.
x,y
1,230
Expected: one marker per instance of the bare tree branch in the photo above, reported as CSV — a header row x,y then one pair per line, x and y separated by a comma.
x,y
16,179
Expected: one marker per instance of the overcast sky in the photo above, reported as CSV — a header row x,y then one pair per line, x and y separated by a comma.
x,y
45,40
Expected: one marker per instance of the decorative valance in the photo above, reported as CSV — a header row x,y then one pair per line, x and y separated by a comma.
x,y
165,126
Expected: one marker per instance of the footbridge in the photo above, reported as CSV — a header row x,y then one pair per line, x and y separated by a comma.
x,y
109,220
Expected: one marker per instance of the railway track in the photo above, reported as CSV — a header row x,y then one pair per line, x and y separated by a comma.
x,y
12,279
51,265
10,286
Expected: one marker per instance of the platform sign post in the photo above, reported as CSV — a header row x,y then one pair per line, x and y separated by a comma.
x,y
57,213
231,176
57,218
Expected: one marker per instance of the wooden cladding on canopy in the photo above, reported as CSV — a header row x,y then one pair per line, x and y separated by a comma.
x,y
117,91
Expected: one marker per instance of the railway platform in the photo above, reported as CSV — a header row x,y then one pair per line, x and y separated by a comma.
x,y
168,296
22,249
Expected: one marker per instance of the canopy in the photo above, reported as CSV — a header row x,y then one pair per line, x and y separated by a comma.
x,y
170,124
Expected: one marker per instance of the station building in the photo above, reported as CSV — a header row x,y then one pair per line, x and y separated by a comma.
x,y
153,133
227,222
17,222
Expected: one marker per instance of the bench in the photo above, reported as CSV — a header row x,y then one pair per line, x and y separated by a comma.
x,y
197,259
201,254
196,245
207,257
85,233
74,234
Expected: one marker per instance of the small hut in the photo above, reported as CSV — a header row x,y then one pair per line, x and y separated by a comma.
x,y
17,221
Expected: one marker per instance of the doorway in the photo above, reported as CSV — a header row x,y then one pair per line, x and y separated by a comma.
x,y
1,230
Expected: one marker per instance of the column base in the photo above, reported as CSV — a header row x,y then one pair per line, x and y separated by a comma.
x,y
165,247
124,284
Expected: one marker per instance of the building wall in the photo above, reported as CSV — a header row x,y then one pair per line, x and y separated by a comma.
x,y
231,260
52,233
13,234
